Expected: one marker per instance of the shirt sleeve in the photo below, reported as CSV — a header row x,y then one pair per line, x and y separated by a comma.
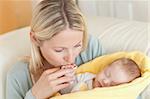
x,y
85,77
84,82
93,50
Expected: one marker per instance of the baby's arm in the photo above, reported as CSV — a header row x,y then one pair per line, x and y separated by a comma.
x,y
72,83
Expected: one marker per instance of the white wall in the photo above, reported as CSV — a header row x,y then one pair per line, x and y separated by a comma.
x,y
35,2
125,9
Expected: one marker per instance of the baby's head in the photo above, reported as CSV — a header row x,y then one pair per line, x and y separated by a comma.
x,y
120,71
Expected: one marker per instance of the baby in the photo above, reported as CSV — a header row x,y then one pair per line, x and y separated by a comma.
x,y
120,71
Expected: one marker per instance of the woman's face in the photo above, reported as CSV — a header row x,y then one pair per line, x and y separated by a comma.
x,y
63,48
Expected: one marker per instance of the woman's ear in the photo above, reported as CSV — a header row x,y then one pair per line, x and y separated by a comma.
x,y
34,39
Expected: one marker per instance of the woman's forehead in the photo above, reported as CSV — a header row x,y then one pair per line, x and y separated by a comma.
x,y
66,38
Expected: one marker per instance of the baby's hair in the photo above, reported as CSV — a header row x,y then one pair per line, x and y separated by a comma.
x,y
129,66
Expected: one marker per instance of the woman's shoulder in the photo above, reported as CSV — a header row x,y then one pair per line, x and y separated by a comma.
x,y
19,72
93,50
18,68
92,38
94,43
18,80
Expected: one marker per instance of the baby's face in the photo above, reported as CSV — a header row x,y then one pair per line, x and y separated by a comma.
x,y
110,76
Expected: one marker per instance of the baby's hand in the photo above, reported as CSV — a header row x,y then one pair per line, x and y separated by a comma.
x,y
70,66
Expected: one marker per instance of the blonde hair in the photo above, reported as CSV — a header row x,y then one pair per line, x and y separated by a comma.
x,y
49,18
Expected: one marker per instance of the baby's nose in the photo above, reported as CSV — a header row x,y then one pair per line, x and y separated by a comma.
x,y
106,83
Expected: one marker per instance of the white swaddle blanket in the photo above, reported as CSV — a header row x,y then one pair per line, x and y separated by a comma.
x,y
82,82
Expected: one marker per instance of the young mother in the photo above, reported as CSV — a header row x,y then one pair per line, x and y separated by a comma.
x,y
58,37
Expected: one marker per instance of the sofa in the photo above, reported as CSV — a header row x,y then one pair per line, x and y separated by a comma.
x,y
114,34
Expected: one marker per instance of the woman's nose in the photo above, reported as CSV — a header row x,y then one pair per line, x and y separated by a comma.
x,y
70,58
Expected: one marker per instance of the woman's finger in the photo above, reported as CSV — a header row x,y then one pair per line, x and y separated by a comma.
x,y
59,73
49,71
62,80
61,86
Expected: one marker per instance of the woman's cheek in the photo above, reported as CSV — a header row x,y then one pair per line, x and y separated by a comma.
x,y
53,59
58,59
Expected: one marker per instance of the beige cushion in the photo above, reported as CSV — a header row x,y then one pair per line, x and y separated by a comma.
x,y
120,35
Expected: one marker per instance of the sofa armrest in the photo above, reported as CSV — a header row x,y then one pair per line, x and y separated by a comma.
x,y
13,45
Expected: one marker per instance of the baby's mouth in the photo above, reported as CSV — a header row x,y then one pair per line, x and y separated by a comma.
x,y
100,84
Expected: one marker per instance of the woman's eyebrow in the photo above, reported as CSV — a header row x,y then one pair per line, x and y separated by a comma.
x,y
78,43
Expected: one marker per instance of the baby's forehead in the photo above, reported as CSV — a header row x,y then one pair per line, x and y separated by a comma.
x,y
117,66
118,71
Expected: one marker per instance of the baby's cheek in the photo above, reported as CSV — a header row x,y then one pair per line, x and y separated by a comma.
x,y
95,84
98,76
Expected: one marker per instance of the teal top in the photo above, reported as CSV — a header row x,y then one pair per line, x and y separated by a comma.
x,y
19,82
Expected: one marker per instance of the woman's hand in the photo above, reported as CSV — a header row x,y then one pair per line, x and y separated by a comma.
x,y
70,66
50,82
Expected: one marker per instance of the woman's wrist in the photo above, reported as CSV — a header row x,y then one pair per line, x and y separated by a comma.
x,y
29,95
34,93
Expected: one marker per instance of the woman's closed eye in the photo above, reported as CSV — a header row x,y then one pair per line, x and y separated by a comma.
x,y
62,49
59,50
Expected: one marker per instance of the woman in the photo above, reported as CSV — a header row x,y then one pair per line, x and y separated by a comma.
x,y
58,38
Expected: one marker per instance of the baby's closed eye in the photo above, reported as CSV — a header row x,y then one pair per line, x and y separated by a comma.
x,y
107,74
